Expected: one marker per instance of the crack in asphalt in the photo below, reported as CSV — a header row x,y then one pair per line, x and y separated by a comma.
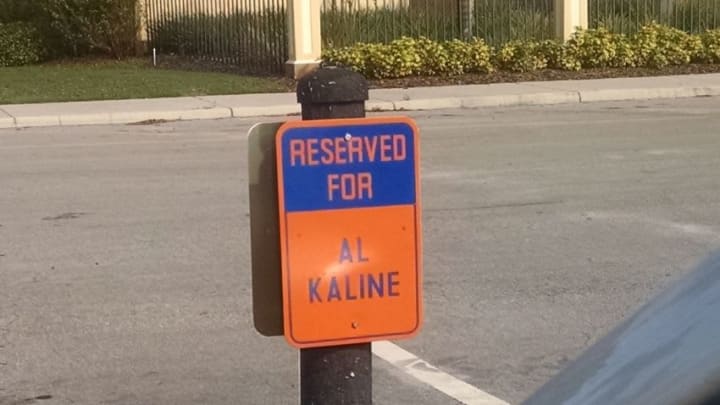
x,y
67,215
4,332
4,342
496,206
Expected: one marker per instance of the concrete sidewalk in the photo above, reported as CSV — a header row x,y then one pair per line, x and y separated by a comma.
x,y
421,98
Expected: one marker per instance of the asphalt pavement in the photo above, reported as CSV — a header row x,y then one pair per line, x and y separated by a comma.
x,y
124,250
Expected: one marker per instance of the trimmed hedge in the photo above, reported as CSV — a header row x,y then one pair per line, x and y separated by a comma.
x,y
599,48
521,56
710,47
19,44
414,57
659,46
654,46
84,27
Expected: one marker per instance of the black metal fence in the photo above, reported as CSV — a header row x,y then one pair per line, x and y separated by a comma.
x,y
248,34
252,34
626,16
347,22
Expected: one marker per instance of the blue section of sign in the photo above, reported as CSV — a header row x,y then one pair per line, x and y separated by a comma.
x,y
348,166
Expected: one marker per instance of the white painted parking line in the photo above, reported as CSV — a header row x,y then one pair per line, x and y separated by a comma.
x,y
432,376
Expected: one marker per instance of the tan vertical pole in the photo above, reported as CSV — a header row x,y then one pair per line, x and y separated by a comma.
x,y
303,37
142,37
569,15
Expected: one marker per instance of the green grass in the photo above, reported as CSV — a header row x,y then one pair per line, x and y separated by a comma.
x,y
110,80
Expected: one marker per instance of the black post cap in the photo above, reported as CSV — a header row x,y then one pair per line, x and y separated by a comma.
x,y
332,85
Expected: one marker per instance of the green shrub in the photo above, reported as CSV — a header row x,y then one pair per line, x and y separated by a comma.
x,y
558,55
350,57
18,10
392,60
474,56
405,57
711,46
81,27
653,46
521,56
599,48
376,61
625,53
19,44
78,27
409,57
433,57
659,46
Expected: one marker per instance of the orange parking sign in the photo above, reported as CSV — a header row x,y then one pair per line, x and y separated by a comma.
x,y
349,202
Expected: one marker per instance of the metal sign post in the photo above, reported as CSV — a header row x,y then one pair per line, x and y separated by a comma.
x,y
347,268
338,374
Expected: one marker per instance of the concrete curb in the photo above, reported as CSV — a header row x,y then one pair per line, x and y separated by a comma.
x,y
38,121
647,94
432,103
552,98
7,123
246,112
